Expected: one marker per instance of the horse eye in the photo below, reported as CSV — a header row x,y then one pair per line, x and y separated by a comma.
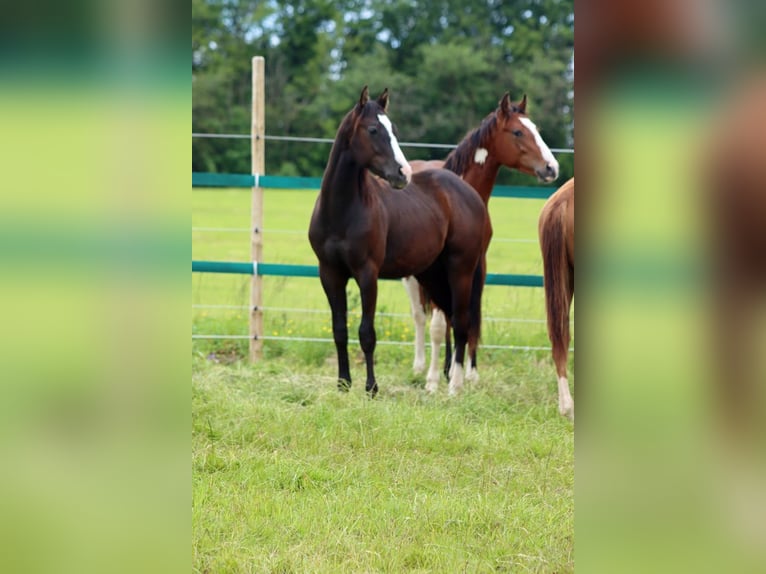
x,y
517,133
372,129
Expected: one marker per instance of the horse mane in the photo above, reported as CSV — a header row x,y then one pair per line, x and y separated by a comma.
x,y
340,143
461,157
341,135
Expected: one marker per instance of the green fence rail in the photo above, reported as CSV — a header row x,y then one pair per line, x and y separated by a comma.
x,y
204,179
245,180
284,270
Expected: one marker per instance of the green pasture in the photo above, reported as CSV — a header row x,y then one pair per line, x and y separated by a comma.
x,y
512,315
292,476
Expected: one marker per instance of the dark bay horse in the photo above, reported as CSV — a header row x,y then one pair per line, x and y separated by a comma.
x,y
505,137
430,225
556,231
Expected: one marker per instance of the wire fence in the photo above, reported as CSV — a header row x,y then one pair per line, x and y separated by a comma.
x,y
315,140
331,140
356,342
379,314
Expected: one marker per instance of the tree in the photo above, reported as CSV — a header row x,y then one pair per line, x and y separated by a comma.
x,y
446,63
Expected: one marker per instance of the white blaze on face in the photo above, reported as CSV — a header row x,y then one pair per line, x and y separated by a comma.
x,y
398,155
544,149
481,155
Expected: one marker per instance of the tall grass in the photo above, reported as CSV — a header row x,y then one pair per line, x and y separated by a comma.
x,y
289,475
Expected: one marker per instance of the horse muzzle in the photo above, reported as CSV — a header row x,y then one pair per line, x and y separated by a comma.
x,y
401,178
548,173
399,181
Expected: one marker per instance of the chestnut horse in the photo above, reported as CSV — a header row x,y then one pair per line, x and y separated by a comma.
x,y
430,225
556,230
506,137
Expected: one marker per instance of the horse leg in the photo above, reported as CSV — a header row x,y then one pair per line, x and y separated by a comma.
x,y
566,403
471,369
438,331
474,329
560,355
419,316
461,293
334,285
368,288
471,374
447,347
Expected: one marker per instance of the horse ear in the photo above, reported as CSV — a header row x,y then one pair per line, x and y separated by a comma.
x,y
364,97
523,104
383,100
505,104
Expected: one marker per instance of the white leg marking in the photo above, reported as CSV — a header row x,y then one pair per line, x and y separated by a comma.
x,y
398,155
545,151
471,374
481,155
456,379
566,404
419,316
438,333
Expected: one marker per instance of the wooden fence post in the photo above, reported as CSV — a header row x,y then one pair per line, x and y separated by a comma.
x,y
257,145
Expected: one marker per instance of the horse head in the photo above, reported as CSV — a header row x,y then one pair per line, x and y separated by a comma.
x,y
373,141
520,144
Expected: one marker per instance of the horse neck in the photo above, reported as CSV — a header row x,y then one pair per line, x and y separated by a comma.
x,y
463,161
342,181
482,177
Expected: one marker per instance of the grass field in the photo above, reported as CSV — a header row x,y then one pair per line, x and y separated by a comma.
x,y
290,475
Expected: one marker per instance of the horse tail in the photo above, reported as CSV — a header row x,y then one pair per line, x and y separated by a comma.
x,y
477,288
556,280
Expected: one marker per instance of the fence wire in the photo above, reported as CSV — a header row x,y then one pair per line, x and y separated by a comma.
x,y
317,311
330,140
356,342
355,313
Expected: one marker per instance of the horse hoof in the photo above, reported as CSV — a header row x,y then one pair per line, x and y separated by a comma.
x,y
567,411
472,376
344,386
454,390
432,386
418,366
372,391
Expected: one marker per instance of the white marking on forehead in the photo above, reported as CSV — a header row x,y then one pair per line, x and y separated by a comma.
x,y
481,155
398,155
544,149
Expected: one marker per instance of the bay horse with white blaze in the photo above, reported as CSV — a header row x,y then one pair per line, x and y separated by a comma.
x,y
505,137
429,225
556,231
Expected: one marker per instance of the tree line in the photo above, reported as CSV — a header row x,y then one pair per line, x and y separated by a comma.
x,y
446,64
